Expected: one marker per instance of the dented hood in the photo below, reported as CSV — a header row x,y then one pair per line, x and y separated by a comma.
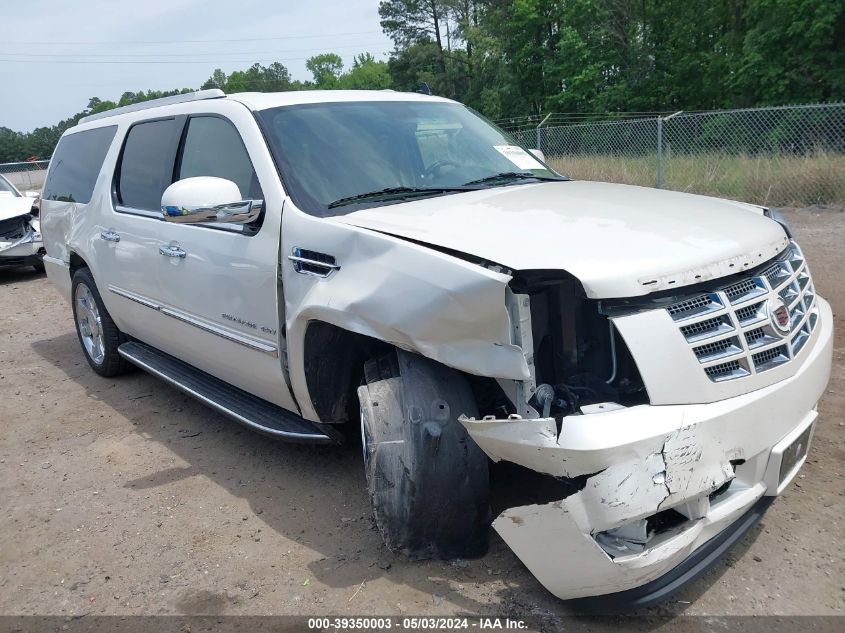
x,y
618,240
13,206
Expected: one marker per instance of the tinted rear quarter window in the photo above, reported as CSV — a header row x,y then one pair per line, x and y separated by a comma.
x,y
76,163
146,167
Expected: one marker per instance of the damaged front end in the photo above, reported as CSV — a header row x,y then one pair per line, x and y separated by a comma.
x,y
650,485
20,241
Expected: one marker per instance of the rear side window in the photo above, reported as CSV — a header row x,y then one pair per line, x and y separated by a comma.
x,y
76,163
213,147
146,166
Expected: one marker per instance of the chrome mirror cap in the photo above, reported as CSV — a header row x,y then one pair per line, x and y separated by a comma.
x,y
206,199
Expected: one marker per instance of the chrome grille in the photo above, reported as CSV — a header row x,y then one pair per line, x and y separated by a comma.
x,y
709,327
730,330
751,314
726,371
695,306
770,358
745,289
719,349
777,273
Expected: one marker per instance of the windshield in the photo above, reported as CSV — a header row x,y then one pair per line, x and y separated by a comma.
x,y
6,188
336,158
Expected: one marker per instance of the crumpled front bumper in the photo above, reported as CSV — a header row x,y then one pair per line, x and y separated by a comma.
x,y
24,251
708,463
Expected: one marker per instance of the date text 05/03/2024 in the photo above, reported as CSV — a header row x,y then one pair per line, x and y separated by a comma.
x,y
415,623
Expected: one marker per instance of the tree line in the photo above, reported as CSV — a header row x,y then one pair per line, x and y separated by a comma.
x,y
510,58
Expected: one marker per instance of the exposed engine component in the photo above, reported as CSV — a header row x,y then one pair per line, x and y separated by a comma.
x,y
579,359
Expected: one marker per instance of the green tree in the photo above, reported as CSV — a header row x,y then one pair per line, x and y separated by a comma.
x,y
793,51
366,74
410,22
326,69
217,80
258,78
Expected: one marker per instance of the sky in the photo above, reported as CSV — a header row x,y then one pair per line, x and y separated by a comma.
x,y
56,54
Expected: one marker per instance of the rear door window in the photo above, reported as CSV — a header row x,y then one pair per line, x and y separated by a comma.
x,y
146,166
76,163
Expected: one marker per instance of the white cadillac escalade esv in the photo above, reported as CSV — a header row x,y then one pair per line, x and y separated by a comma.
x,y
307,262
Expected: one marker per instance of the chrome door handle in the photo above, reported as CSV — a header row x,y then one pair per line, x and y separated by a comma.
x,y
109,235
172,251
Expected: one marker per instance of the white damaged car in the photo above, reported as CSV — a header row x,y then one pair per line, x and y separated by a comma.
x,y
317,265
20,231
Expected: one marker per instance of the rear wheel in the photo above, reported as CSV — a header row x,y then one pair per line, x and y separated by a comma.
x,y
427,480
98,334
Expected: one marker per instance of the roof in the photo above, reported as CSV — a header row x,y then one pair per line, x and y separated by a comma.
x,y
264,100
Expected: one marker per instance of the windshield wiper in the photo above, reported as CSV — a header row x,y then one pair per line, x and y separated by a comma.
x,y
396,193
511,175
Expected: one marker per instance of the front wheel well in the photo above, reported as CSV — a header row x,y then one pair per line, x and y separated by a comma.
x,y
334,361
334,368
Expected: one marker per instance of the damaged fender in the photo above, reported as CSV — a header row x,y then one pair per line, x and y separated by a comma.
x,y
415,298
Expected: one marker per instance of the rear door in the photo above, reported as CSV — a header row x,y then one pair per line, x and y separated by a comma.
x,y
125,240
221,287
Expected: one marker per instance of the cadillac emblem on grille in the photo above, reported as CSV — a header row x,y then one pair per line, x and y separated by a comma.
x,y
779,315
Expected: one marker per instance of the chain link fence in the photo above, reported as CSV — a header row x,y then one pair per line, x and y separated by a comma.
x,y
784,156
26,175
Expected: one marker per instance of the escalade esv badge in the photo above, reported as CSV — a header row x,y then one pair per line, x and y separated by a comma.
x,y
779,315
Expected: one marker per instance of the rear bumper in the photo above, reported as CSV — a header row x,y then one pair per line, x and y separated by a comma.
x,y
659,482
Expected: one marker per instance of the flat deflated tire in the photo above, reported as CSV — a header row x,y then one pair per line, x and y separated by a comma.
x,y
427,480
98,335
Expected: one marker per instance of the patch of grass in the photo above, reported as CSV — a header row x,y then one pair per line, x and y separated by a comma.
x,y
817,178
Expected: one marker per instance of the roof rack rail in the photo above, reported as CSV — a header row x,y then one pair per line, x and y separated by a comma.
x,y
213,93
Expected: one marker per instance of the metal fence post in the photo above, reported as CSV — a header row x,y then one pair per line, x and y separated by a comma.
x,y
539,140
660,121
659,182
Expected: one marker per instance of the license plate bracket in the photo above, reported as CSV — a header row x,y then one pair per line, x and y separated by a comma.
x,y
794,453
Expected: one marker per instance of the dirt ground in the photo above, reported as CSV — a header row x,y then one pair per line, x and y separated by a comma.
x,y
125,497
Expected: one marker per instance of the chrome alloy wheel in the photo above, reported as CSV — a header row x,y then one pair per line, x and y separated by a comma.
x,y
89,323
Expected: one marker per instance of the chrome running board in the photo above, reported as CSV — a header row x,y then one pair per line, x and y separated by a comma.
x,y
243,407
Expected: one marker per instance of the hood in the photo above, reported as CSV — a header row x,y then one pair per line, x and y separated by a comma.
x,y
12,206
618,240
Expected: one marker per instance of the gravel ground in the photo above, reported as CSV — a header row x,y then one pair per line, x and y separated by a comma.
x,y
125,497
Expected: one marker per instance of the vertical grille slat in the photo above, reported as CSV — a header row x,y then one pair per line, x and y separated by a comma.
x,y
743,307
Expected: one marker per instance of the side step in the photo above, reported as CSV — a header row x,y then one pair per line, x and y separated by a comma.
x,y
249,410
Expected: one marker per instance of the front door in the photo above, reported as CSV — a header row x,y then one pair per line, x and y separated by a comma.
x,y
218,282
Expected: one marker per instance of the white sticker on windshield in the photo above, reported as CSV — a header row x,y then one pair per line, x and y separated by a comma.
x,y
519,157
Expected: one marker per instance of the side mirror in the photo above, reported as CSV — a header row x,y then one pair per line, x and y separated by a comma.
x,y
206,199
538,153
32,194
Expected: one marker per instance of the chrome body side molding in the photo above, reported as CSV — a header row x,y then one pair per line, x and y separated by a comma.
x,y
202,324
